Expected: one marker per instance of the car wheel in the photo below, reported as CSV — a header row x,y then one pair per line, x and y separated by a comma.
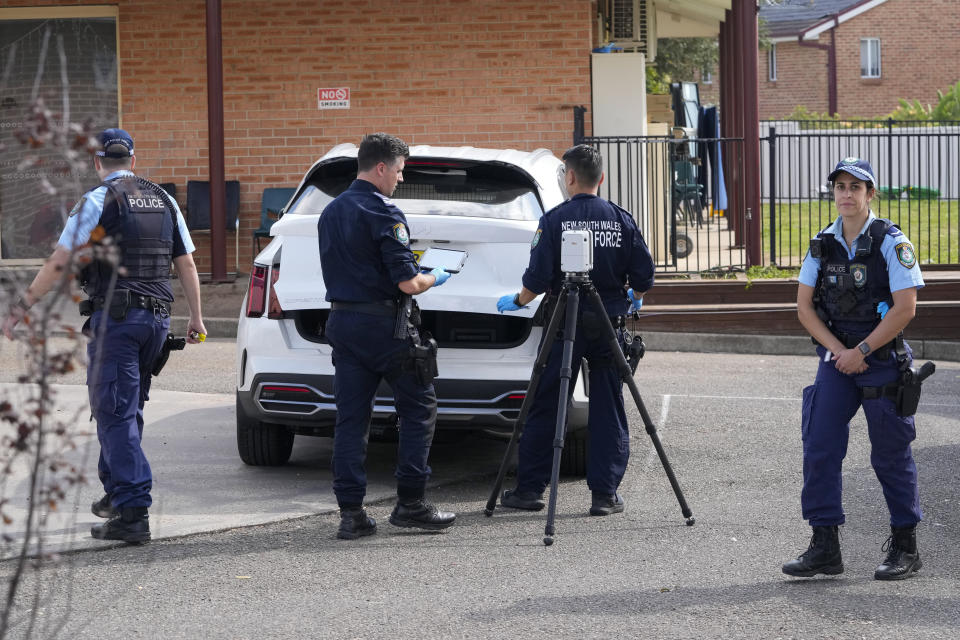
x,y
573,458
261,444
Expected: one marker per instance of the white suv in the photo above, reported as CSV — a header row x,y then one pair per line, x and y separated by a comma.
x,y
483,201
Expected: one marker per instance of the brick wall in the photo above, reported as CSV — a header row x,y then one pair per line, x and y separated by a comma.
x,y
495,73
919,49
801,80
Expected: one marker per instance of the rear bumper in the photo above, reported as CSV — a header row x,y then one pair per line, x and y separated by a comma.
x,y
304,400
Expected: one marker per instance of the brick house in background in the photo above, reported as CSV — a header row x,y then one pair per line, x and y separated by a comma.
x,y
497,73
857,57
486,73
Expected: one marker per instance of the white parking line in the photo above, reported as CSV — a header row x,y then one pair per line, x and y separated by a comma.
x,y
664,411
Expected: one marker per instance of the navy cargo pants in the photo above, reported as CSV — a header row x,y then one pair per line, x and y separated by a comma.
x,y
609,447
828,406
120,357
364,353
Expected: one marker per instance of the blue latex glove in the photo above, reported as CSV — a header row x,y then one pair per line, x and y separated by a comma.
x,y
882,309
506,303
637,304
440,275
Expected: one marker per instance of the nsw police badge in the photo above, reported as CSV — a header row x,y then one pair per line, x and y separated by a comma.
x,y
78,206
859,273
905,255
536,239
400,233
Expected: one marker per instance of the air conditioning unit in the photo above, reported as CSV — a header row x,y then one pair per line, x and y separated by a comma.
x,y
633,24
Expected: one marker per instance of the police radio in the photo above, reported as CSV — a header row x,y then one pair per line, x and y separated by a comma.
x,y
576,251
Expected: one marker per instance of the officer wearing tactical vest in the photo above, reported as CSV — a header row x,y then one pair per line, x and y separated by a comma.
x,y
857,292
129,309
370,273
620,257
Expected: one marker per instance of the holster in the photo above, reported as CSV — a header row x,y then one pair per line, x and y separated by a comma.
x,y
905,392
422,360
172,343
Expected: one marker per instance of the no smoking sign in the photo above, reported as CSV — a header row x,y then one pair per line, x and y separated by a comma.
x,y
333,98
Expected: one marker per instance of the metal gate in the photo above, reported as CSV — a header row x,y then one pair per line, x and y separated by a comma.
x,y
682,193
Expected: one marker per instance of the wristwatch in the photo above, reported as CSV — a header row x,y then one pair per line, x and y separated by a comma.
x,y
516,300
864,348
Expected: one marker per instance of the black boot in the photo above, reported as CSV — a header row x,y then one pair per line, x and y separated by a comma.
x,y
526,500
421,515
102,508
355,523
822,556
604,504
902,559
131,524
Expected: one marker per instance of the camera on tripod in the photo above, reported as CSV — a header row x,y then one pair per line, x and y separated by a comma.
x,y
576,251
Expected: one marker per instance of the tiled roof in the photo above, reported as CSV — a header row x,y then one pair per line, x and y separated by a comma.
x,y
792,17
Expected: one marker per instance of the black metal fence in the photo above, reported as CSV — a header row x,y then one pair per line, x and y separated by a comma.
x,y
681,194
917,166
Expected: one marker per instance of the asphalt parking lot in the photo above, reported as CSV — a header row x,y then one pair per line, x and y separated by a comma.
x,y
730,426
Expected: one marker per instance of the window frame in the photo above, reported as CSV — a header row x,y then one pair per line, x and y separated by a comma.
x,y
868,66
772,63
66,12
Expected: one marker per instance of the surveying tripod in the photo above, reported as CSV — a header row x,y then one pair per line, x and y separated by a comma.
x,y
576,285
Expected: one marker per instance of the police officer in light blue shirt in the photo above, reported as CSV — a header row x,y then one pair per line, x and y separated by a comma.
x,y
620,258
857,292
128,284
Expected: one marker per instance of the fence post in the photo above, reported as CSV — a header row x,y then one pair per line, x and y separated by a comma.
x,y
773,194
889,159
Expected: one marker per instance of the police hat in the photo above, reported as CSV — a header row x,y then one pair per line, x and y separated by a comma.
x,y
855,167
115,143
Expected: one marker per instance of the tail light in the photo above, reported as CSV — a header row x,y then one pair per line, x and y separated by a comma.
x,y
256,297
274,310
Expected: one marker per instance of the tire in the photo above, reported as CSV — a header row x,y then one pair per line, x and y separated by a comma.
x,y
260,444
573,458
682,246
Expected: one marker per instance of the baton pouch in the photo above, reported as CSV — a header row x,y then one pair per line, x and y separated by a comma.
x,y
119,305
423,360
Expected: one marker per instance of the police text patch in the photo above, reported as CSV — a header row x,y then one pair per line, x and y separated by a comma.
x,y
400,233
905,255
78,206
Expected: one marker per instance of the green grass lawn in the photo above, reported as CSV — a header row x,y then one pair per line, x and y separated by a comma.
x,y
933,227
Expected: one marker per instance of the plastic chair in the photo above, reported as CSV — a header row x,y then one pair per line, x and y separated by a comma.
x,y
271,204
198,210
687,192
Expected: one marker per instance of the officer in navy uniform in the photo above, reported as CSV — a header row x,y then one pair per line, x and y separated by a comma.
x,y
367,266
857,292
620,258
129,309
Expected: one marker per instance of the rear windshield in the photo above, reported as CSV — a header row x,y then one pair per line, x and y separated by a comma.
x,y
436,187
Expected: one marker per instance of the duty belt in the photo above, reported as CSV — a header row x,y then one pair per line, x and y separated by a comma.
x,y
387,308
133,301
850,340
886,391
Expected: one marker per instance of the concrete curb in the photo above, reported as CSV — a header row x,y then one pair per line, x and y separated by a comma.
x,y
226,328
